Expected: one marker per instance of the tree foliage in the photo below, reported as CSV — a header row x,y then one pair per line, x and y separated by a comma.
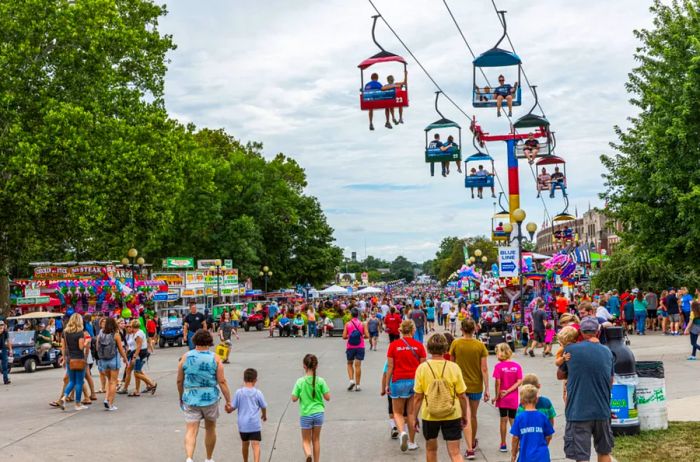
x,y
91,164
450,255
653,181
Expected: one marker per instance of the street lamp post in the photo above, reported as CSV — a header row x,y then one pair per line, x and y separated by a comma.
x,y
266,274
131,262
480,261
519,216
217,269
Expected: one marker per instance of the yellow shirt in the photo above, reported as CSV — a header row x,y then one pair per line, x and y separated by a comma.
x,y
452,375
467,353
234,315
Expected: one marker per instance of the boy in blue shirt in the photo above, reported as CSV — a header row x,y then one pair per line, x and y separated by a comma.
x,y
544,404
531,430
251,406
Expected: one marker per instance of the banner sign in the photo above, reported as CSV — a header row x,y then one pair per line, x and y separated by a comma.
x,y
172,279
72,272
178,262
225,277
508,262
206,264
31,300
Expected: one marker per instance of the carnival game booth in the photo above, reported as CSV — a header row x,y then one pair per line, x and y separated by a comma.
x,y
91,286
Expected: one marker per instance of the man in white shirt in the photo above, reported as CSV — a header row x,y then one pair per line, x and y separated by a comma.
x,y
445,309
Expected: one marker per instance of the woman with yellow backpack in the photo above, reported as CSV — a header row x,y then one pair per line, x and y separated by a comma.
x,y
440,397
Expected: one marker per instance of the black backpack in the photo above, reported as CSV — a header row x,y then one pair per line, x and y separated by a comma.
x,y
106,346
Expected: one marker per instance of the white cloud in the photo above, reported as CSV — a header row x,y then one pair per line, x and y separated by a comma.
x,y
285,73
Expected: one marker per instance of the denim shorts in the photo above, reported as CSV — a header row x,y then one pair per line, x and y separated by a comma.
x,y
401,388
475,396
355,354
308,422
113,364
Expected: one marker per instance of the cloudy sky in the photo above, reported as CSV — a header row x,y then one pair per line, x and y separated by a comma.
x,y
284,72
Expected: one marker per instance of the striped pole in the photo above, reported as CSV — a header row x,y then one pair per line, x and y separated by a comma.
x,y
513,181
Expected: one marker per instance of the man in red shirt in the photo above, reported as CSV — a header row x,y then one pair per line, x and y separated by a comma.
x,y
562,304
392,323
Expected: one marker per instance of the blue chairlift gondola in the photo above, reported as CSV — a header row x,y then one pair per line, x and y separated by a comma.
x,y
485,96
481,178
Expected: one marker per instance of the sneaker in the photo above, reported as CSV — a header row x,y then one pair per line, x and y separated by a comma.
x,y
476,443
81,407
498,114
106,404
351,386
469,455
503,448
357,388
691,358
371,127
388,125
113,408
412,446
510,113
403,441
209,460
394,433
396,122
532,353
189,459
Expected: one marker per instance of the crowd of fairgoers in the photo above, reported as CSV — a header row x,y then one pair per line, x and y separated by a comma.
x,y
414,379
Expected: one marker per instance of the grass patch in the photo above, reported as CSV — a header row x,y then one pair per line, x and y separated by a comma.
x,y
679,443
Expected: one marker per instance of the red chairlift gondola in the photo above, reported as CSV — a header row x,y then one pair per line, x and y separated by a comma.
x,y
550,181
374,95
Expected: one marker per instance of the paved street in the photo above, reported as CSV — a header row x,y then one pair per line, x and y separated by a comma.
x,y
151,428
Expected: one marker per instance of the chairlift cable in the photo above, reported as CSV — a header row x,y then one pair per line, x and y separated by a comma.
x,y
493,2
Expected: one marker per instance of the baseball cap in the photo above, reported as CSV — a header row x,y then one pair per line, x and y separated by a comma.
x,y
589,324
2,323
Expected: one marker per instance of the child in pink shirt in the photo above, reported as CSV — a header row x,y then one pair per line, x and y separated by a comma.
x,y
509,376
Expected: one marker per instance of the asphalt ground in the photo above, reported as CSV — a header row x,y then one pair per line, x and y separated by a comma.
x,y
151,428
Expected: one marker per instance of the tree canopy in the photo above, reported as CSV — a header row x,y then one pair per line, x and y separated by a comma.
x,y
653,181
91,164
450,255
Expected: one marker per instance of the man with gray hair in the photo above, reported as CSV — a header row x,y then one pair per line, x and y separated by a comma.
x,y
589,369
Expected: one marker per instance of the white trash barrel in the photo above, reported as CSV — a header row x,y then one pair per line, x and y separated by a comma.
x,y
651,396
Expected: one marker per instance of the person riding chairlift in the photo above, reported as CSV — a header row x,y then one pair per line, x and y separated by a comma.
x,y
543,180
484,173
531,149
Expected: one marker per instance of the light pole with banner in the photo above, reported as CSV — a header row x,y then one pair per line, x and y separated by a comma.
x,y
519,216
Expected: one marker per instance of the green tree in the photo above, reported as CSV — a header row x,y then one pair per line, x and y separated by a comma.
x,y
401,268
81,85
653,181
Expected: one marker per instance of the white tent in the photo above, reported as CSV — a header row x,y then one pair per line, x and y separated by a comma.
x,y
333,290
370,290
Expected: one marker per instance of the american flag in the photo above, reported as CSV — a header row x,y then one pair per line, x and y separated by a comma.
x,y
581,253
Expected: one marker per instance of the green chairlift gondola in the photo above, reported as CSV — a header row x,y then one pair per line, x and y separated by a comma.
x,y
540,124
438,149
